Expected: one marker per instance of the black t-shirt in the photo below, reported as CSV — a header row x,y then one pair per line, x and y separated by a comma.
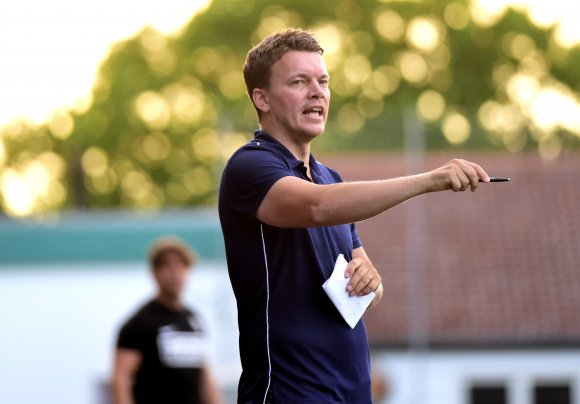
x,y
173,347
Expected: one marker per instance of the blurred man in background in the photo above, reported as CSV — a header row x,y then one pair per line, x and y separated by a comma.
x,y
161,350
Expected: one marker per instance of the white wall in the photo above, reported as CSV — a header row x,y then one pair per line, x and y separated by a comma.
x,y
445,377
58,326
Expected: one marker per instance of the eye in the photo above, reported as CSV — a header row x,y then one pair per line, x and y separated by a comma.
x,y
323,82
297,81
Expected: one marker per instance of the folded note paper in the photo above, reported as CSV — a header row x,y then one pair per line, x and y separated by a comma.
x,y
350,307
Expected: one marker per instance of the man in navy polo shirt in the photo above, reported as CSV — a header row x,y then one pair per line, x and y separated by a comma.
x,y
285,219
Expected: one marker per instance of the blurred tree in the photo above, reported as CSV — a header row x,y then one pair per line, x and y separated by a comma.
x,y
167,112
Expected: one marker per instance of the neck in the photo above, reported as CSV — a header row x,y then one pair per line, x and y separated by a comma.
x,y
173,303
299,150
298,147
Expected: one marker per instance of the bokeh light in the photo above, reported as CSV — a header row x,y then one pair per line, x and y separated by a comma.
x,y
413,67
156,146
370,107
332,38
517,45
197,181
153,110
33,186
61,125
560,14
18,198
95,162
389,25
430,106
456,16
555,107
205,144
232,85
137,185
160,58
350,119
550,147
386,79
456,127
357,69
424,33
275,18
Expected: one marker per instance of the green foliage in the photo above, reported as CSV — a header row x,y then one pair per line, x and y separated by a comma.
x,y
167,112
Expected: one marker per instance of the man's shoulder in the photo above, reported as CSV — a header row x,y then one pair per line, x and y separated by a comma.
x,y
141,315
256,159
255,151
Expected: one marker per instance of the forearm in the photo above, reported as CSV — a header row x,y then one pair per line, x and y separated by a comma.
x,y
293,202
121,391
210,393
355,201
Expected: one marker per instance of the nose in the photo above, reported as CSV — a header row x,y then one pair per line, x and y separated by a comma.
x,y
317,90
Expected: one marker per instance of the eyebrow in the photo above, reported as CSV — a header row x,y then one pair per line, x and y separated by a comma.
x,y
305,76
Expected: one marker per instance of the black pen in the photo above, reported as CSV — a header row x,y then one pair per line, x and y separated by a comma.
x,y
497,179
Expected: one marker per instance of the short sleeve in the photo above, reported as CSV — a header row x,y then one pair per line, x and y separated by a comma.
x,y
356,243
131,336
248,177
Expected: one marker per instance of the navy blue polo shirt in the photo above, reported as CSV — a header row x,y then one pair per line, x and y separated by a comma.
x,y
294,345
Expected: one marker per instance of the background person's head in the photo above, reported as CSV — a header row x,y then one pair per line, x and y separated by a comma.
x,y
261,58
171,260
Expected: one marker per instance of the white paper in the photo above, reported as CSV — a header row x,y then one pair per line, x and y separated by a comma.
x,y
351,307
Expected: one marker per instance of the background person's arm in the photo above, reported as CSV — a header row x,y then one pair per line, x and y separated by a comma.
x,y
127,361
210,393
293,202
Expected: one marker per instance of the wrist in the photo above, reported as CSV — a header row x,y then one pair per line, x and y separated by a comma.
x,y
425,183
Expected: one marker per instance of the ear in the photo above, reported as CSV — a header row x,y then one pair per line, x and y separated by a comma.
x,y
260,99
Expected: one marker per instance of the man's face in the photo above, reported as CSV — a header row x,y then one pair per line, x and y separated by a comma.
x,y
298,96
171,275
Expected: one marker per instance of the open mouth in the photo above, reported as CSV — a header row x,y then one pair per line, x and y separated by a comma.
x,y
314,112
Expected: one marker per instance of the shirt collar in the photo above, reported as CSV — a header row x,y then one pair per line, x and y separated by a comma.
x,y
265,137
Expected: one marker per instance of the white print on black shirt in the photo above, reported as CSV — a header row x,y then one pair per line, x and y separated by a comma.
x,y
181,349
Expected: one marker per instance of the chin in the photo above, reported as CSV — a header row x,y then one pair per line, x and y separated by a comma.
x,y
314,131
172,294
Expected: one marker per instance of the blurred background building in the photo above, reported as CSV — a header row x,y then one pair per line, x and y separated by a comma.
x,y
481,290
